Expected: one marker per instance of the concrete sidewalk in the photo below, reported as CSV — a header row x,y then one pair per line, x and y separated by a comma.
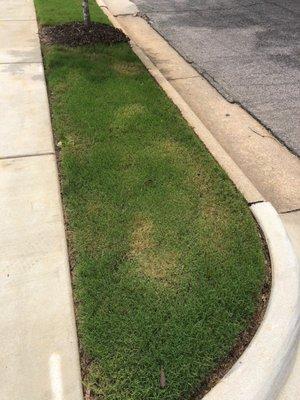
x,y
38,343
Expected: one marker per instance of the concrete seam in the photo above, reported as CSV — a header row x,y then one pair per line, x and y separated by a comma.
x,y
27,155
255,202
290,211
125,14
21,62
182,78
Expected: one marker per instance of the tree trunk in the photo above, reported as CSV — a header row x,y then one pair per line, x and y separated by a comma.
x,y
86,12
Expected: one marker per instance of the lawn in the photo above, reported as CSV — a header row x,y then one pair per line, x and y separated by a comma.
x,y
168,262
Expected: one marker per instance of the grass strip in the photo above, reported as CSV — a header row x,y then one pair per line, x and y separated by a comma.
x,y
168,260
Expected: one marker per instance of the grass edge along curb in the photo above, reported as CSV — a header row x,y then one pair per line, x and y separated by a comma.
x,y
262,370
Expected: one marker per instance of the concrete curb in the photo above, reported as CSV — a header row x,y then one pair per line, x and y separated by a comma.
x,y
262,370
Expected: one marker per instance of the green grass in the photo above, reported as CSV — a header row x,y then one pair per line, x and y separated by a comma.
x,y
168,260
51,12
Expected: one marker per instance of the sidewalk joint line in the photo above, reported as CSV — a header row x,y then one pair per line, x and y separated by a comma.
x,y
21,62
27,155
290,211
126,15
181,78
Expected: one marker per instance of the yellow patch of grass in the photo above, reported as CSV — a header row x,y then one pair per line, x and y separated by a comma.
x,y
159,265
141,237
127,69
153,261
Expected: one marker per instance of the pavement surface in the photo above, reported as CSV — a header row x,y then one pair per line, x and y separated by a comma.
x,y
38,343
247,49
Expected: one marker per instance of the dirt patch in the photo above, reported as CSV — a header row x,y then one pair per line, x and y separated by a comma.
x,y
77,34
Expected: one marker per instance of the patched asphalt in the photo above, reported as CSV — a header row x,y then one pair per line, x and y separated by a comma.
x,y
249,50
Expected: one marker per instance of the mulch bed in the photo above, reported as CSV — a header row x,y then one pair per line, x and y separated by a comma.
x,y
77,34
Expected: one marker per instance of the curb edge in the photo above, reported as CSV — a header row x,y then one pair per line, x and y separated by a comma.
x,y
263,368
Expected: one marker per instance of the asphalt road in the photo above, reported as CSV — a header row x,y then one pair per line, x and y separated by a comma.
x,y
248,49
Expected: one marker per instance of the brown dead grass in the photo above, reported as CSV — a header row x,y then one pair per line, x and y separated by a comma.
x,y
152,261
127,69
